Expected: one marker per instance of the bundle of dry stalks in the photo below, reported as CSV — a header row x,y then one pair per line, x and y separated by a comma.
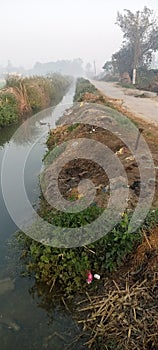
x,y
21,97
123,318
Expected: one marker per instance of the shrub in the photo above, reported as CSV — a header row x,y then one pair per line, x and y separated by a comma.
x,y
68,267
8,109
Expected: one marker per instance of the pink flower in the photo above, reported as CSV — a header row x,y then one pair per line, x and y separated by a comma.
x,y
89,277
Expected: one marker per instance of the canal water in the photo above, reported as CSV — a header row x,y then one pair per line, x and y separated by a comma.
x,y
28,319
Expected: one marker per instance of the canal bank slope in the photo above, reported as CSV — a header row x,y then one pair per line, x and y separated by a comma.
x,y
124,301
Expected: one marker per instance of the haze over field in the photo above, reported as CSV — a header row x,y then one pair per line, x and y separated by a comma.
x,y
46,30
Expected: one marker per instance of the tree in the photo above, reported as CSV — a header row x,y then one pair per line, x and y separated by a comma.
x,y
140,37
123,60
108,66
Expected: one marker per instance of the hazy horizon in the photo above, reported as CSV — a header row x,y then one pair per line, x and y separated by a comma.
x,y
43,31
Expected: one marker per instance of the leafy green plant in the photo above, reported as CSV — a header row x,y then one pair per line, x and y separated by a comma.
x,y
117,244
8,109
67,268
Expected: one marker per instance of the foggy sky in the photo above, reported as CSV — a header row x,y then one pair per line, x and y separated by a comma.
x,y
48,30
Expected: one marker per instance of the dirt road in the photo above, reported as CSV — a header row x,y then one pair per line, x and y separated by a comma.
x,y
144,108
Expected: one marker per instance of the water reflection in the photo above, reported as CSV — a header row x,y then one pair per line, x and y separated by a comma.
x,y
32,319
33,127
6,134
28,318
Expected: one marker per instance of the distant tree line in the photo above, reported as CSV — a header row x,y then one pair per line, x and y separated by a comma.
x,y
65,67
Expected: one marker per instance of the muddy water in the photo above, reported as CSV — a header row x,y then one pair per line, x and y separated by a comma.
x,y
27,320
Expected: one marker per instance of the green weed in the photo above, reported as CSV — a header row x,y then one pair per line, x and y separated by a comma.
x,y
68,267
8,109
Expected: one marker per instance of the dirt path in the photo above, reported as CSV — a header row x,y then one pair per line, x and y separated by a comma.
x,y
144,108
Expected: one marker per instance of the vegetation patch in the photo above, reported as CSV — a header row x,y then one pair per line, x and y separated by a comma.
x,y
8,109
25,96
83,86
68,268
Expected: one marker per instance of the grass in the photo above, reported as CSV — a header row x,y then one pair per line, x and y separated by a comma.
x,y
83,86
51,155
25,96
127,86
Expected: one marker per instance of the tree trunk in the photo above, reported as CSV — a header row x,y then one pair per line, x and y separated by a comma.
x,y
134,76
